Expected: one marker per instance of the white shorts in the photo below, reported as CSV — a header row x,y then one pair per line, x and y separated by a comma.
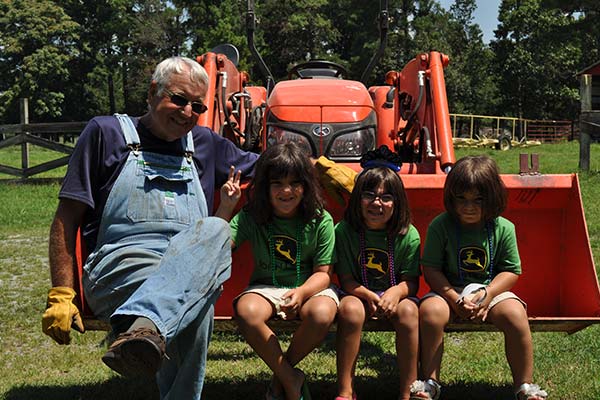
x,y
497,299
274,294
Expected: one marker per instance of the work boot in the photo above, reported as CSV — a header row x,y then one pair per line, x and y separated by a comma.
x,y
136,353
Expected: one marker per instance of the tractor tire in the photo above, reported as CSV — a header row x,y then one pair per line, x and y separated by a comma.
x,y
504,143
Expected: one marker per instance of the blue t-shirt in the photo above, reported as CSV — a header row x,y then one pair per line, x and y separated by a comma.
x,y
101,152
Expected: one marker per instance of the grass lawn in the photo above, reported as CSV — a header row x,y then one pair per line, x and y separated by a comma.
x,y
474,367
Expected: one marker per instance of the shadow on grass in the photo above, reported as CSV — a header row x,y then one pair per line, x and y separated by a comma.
x,y
378,357
373,388
384,386
113,389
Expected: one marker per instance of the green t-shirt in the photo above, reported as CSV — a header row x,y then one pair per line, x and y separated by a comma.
x,y
447,242
317,241
406,256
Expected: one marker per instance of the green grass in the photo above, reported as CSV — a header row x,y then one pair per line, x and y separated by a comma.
x,y
32,366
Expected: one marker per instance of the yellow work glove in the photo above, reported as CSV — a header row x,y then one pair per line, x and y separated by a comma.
x,y
61,315
336,179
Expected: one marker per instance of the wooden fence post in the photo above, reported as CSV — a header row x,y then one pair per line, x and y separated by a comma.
x,y
24,107
585,88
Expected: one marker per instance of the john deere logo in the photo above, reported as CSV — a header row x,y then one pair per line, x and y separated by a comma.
x,y
376,261
473,259
285,248
321,130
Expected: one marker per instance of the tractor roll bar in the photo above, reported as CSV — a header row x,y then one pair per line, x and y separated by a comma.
x,y
383,29
250,27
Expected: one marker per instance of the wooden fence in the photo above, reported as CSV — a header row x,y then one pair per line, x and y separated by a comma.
x,y
493,127
549,131
43,135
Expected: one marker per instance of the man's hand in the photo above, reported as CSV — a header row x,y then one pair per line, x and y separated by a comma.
x,y
61,314
336,179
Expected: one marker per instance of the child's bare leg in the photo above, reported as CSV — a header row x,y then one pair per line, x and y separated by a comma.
x,y
252,313
406,325
510,317
434,315
351,318
317,315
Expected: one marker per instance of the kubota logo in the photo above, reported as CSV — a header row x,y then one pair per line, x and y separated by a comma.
x,y
321,130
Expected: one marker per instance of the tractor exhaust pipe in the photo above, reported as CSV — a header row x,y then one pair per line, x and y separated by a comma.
x,y
384,20
250,27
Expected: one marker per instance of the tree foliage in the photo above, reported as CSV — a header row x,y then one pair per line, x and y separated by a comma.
x,y
536,76
78,58
37,42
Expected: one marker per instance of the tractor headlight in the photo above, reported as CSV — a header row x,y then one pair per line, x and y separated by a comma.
x,y
352,144
278,135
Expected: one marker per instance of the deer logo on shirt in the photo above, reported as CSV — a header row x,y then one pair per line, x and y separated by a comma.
x,y
473,259
285,249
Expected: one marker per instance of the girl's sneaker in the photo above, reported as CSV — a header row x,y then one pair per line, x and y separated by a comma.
x,y
528,391
425,390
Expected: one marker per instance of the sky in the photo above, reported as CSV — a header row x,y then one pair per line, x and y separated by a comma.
x,y
486,16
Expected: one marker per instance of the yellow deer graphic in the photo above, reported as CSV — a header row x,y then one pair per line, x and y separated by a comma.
x,y
471,260
285,253
373,265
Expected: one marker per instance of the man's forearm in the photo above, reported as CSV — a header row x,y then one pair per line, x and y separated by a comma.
x,y
61,248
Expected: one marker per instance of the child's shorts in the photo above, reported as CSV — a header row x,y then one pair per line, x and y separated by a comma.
x,y
274,294
501,297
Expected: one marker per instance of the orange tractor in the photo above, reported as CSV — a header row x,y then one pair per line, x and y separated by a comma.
x,y
341,119
329,115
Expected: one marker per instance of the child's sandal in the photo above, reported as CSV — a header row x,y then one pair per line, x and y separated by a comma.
x,y
529,391
425,390
271,396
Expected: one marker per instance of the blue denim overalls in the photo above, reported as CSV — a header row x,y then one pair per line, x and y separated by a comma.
x,y
160,256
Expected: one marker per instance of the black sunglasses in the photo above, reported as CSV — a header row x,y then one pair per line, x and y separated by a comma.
x,y
197,106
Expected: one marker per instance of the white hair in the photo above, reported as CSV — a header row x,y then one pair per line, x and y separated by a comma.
x,y
178,65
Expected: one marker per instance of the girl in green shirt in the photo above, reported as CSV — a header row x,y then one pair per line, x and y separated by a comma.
x,y
378,268
471,261
292,241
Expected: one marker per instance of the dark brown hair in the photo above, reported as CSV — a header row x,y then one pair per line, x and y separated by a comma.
x,y
277,162
480,174
369,180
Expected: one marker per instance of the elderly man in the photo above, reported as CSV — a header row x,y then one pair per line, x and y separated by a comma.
x,y
141,189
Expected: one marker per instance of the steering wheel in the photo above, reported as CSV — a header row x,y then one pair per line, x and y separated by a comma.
x,y
300,70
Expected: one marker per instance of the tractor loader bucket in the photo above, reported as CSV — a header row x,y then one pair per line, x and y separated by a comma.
x,y
558,282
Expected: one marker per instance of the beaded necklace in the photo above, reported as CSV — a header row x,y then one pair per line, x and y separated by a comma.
x,y
272,255
363,263
490,241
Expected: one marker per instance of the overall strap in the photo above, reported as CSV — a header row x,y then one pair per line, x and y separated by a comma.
x,y
131,136
189,144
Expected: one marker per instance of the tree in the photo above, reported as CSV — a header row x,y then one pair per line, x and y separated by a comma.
x,y
121,41
535,61
37,42
306,30
155,33
471,88
100,24
586,26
